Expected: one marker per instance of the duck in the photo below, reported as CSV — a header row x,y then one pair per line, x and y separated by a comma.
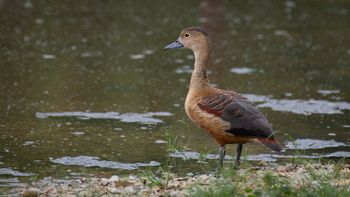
x,y
227,116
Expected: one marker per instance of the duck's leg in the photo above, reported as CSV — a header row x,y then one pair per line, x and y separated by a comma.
x,y
222,156
238,156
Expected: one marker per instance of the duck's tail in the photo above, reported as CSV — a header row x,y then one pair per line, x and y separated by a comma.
x,y
271,143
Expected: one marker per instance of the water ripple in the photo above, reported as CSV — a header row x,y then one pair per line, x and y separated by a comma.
x,y
143,118
186,155
304,144
10,171
243,70
297,106
88,161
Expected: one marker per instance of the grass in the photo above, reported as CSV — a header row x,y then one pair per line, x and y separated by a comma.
x,y
223,188
152,179
172,142
316,182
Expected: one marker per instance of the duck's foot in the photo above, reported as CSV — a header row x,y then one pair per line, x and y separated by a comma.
x,y
236,165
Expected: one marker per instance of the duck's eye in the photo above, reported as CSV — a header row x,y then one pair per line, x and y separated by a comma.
x,y
187,35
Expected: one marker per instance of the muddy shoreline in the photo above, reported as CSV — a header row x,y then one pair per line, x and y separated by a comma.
x,y
169,184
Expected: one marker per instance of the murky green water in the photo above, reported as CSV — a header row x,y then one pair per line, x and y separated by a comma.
x,y
73,71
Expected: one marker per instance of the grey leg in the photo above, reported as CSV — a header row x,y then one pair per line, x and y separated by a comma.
x,y
238,156
222,156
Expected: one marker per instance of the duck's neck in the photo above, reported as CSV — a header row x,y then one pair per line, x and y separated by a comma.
x,y
199,77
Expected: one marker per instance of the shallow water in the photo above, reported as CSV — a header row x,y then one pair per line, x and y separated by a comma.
x,y
142,118
88,161
243,70
201,158
91,79
298,106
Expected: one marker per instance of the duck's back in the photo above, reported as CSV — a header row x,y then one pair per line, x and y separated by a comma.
x,y
227,116
210,118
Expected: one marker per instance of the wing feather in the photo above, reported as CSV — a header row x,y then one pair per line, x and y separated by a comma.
x,y
244,117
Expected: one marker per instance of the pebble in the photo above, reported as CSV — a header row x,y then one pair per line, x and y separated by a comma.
x,y
263,163
129,190
104,182
140,186
287,168
30,193
86,193
114,178
123,183
113,190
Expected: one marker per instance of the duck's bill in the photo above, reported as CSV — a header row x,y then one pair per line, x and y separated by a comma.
x,y
175,45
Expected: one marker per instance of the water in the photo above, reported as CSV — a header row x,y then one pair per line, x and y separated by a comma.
x,y
87,161
86,88
298,106
143,118
242,70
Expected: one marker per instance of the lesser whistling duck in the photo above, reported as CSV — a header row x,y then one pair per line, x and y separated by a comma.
x,y
227,116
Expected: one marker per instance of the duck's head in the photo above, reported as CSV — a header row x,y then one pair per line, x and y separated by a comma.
x,y
191,38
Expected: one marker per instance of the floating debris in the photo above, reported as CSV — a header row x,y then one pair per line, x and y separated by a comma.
x,y
260,157
9,180
184,69
297,106
190,57
91,54
194,155
39,21
27,4
48,56
288,94
137,56
257,98
26,143
327,92
10,171
304,144
160,142
338,154
307,106
77,133
88,161
148,51
187,69
179,61
243,70
142,55
143,118
282,33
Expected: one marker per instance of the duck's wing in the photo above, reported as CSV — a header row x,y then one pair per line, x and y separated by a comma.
x,y
245,118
